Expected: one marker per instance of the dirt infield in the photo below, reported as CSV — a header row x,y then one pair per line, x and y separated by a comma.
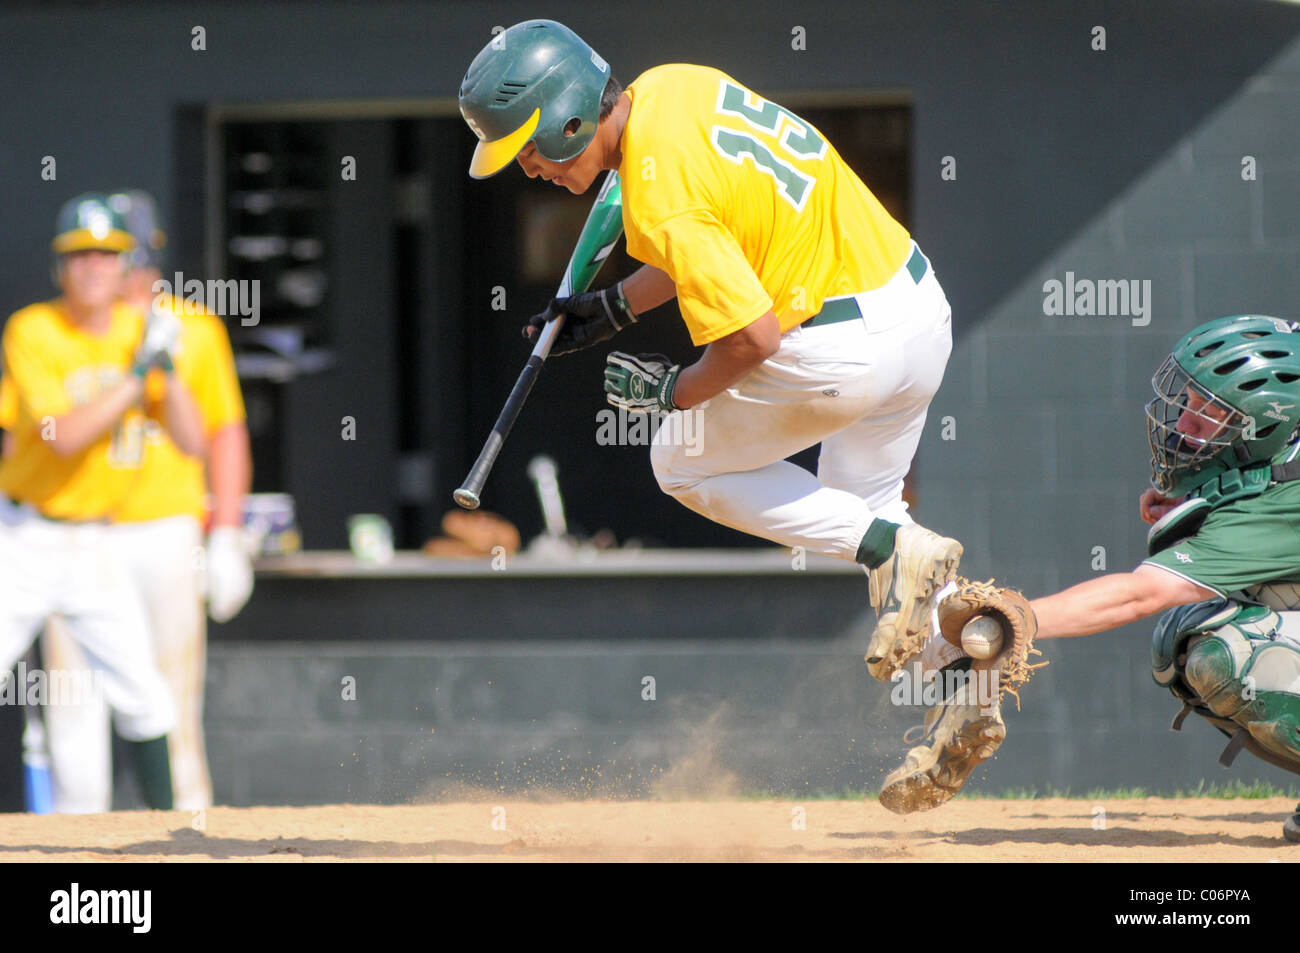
x,y
1054,829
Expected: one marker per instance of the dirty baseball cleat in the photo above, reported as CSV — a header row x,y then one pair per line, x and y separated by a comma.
x,y
901,589
963,734
1291,827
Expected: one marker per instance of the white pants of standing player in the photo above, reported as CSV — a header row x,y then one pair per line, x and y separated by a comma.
x,y
861,388
160,556
70,569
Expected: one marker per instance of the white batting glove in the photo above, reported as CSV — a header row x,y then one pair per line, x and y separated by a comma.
x,y
158,347
230,573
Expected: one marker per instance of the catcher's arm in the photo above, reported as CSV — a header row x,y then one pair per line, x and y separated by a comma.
x,y
1115,599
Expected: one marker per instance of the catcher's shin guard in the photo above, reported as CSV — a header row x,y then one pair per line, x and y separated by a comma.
x,y
964,732
1291,827
901,591
1231,664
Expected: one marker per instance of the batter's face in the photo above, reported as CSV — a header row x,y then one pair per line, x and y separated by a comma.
x,y
92,278
576,175
1202,420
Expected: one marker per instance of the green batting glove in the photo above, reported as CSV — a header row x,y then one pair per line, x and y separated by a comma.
x,y
642,383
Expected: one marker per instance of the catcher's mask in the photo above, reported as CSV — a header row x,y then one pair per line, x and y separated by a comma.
x,y
1228,396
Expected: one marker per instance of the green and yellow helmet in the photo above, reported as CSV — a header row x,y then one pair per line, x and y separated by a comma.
x,y
90,222
140,214
537,82
1227,397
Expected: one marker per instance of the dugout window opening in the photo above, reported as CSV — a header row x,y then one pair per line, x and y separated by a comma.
x,y
398,295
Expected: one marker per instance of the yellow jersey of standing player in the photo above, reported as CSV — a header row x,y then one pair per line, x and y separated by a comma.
x,y
49,367
746,206
171,483
151,478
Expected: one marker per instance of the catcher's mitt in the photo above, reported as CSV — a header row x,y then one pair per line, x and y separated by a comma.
x,y
1013,613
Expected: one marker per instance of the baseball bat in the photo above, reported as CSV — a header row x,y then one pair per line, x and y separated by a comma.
x,y
599,235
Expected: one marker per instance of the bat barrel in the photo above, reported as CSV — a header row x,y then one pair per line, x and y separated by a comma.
x,y
468,494
599,235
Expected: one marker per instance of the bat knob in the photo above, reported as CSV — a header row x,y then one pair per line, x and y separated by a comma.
x,y
466,498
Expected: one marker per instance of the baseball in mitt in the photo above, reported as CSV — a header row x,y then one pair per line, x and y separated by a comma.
x,y
1011,610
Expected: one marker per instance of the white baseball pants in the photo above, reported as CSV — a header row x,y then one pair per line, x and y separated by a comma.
x,y
861,388
161,559
69,569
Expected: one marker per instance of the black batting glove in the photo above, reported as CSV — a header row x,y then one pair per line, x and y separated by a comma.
x,y
592,317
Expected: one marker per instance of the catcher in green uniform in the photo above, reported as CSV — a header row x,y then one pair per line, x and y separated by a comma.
x,y
1224,564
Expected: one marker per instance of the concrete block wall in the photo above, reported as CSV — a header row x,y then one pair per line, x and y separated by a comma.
x,y
513,718
1050,432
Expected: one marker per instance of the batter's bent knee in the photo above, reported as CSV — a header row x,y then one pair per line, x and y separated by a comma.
x,y
665,460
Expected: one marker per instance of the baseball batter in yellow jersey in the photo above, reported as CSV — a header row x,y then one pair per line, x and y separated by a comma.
x,y
823,320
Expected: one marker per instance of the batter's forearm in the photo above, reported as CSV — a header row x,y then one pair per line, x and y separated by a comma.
x,y
708,378
230,474
727,360
80,427
647,288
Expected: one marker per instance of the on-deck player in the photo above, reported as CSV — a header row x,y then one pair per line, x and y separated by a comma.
x,y
823,320
156,532
78,366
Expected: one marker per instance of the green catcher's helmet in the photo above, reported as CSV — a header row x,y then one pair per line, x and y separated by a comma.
x,y
1227,397
140,213
537,82
89,221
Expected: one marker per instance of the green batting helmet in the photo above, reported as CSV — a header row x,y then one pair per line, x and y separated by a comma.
x,y
537,82
1227,397
140,213
90,221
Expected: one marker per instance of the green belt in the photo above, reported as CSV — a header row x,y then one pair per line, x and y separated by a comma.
x,y
19,504
847,309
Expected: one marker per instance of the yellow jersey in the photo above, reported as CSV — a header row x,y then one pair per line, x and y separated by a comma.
x,y
171,483
49,366
166,481
746,206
